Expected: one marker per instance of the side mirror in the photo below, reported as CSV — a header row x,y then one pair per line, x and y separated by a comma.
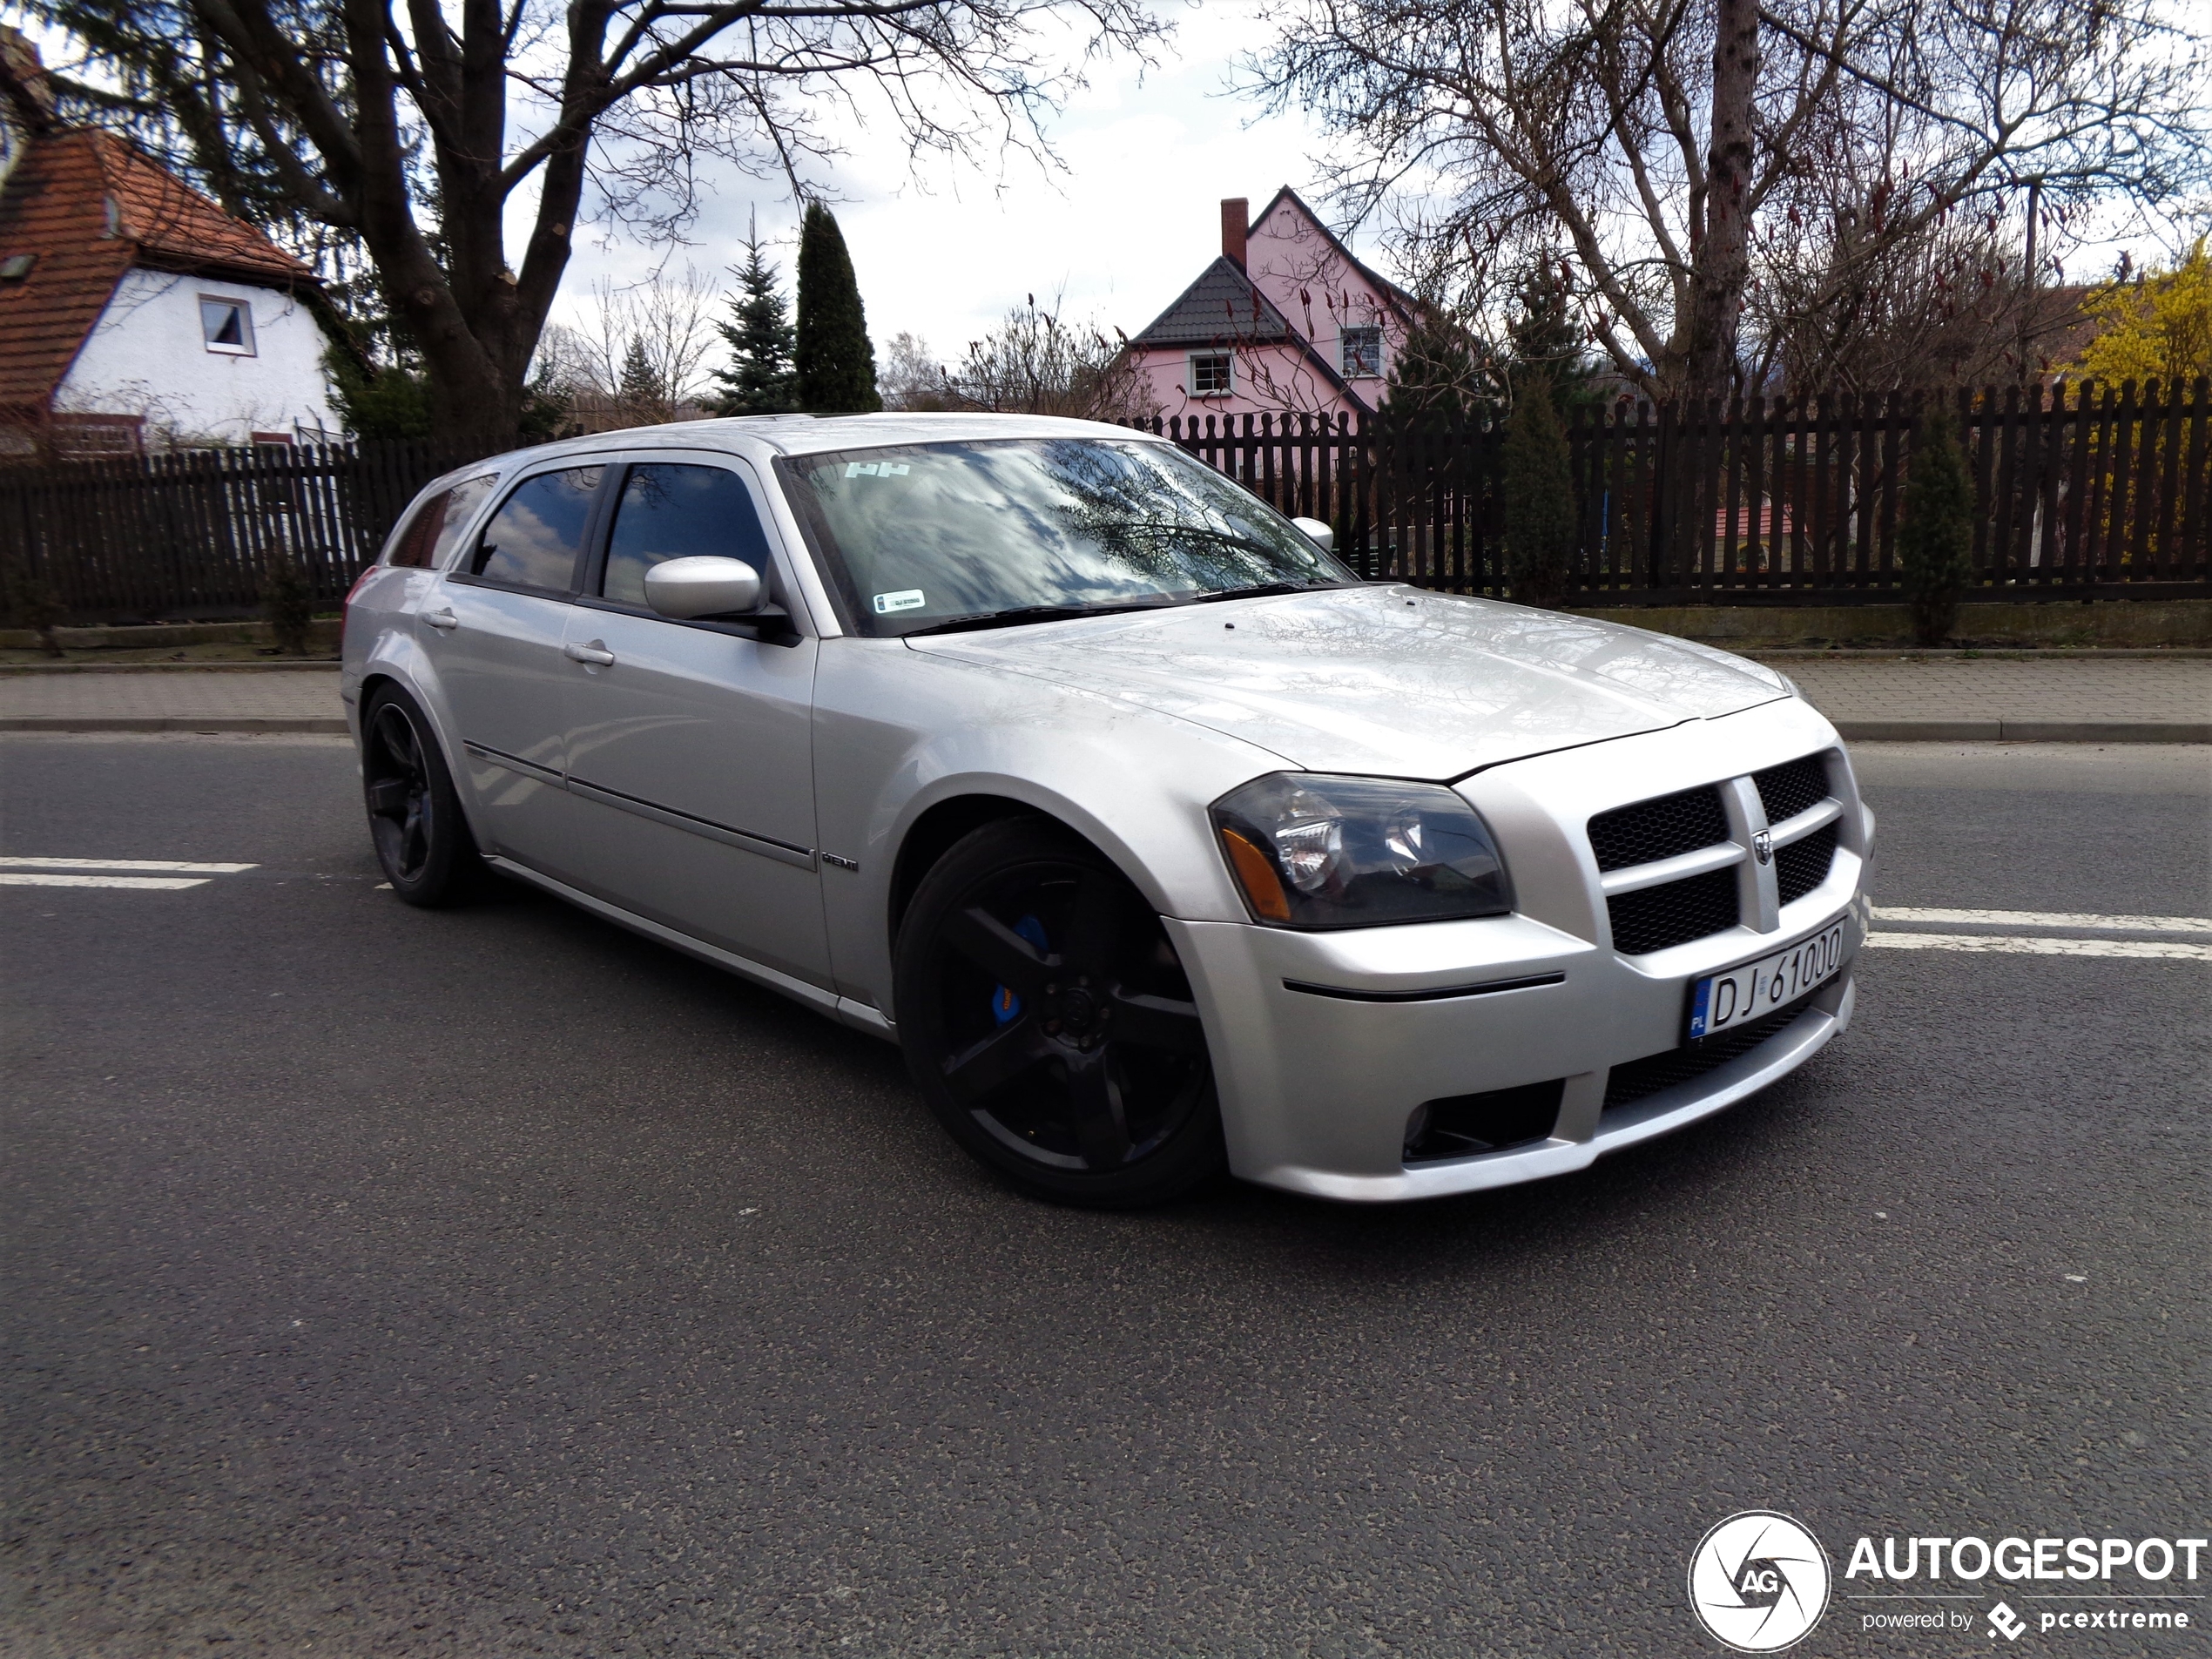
x,y
702,587
1317,533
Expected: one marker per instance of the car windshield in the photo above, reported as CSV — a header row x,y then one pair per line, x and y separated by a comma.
x,y
946,536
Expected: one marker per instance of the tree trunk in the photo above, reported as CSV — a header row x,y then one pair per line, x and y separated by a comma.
x,y
1721,260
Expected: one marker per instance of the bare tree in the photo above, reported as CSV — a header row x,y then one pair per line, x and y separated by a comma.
x,y
646,346
1034,363
1664,140
390,121
910,377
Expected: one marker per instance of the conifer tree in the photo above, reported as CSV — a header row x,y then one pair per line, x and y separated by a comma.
x,y
1438,372
758,334
835,365
1935,543
1544,338
641,388
1539,488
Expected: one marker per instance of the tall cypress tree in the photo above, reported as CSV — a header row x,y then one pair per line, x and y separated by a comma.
x,y
758,334
1539,491
836,365
1935,543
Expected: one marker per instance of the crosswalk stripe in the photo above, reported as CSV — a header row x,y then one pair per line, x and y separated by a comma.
x,y
2167,949
23,878
170,866
2049,919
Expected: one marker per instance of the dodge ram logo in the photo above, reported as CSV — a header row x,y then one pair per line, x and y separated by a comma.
x,y
1762,847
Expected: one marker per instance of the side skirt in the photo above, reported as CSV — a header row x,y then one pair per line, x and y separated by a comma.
x,y
843,1009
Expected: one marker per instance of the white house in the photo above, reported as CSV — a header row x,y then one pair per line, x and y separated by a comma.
x,y
134,313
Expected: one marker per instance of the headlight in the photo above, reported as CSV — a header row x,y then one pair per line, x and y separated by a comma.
x,y
1310,851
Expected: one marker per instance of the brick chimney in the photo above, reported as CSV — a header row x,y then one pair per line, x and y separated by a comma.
x,y
1234,216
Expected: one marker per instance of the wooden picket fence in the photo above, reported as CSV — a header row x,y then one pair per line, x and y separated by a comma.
x,y
191,536
2089,491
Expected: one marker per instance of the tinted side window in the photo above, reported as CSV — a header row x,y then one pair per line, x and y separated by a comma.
x,y
675,512
413,546
429,535
533,538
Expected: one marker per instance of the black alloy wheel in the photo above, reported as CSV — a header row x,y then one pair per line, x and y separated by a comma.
x,y
414,816
1046,1020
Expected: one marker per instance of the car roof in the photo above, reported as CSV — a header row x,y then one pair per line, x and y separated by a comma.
x,y
799,434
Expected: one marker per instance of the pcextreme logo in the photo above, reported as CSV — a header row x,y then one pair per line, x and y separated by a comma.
x,y
1759,1581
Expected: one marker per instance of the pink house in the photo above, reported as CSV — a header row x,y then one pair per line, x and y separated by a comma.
x,y
1286,321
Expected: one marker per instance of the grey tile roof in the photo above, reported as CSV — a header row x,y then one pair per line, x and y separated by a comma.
x,y
1222,306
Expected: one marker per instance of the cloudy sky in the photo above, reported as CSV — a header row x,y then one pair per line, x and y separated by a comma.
x,y
1124,229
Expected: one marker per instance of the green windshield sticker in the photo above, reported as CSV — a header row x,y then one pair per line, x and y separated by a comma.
x,y
905,599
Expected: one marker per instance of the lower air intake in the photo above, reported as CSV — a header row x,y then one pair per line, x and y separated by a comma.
x,y
1460,1126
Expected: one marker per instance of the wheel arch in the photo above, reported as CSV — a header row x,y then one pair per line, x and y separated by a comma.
x,y
943,825
378,678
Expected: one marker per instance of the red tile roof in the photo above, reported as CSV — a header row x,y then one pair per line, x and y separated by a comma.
x,y
89,206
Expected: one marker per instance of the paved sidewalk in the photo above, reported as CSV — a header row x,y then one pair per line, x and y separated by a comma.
x,y
174,700
2128,699
2067,699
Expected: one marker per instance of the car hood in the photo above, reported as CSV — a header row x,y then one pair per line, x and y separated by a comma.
x,y
1382,678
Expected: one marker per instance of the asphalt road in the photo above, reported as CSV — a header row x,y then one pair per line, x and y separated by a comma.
x,y
494,1282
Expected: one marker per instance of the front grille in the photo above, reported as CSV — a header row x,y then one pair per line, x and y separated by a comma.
x,y
1651,1074
1789,789
1802,865
1654,917
1652,830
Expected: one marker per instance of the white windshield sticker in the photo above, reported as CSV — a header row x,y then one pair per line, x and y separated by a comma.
x,y
876,469
906,599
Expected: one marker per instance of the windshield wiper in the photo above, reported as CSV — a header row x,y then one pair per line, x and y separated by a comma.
x,y
1262,591
1019,614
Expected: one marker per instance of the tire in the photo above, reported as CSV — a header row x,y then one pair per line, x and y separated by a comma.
x,y
1048,1024
414,816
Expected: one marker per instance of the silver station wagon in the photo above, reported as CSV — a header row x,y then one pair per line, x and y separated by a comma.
x,y
1161,842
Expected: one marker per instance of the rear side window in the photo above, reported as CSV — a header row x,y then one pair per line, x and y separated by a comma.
x,y
533,540
675,512
438,523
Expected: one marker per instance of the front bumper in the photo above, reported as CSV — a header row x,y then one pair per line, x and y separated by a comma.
x,y
1326,1044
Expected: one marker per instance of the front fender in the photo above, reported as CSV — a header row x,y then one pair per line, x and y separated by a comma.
x,y
898,734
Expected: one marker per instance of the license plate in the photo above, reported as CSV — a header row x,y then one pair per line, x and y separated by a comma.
x,y
1720,1001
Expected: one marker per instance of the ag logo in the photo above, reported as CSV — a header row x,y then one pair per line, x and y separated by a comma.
x,y
1758,1582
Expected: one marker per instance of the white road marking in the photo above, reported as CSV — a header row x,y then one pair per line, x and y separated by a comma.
x,y
13,879
2051,919
168,865
2015,944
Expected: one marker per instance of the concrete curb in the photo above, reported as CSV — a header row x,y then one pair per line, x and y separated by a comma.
x,y
2024,731
166,722
314,666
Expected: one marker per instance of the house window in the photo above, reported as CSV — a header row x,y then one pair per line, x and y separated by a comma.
x,y
1211,375
1362,353
226,326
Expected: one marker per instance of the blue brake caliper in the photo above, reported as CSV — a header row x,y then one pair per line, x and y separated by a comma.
x,y
1006,1007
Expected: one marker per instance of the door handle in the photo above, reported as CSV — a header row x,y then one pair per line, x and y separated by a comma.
x,y
441,618
595,653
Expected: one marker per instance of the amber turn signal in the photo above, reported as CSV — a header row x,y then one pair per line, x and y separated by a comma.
x,y
1256,875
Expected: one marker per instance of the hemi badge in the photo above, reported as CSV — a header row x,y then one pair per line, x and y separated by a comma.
x,y
842,864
